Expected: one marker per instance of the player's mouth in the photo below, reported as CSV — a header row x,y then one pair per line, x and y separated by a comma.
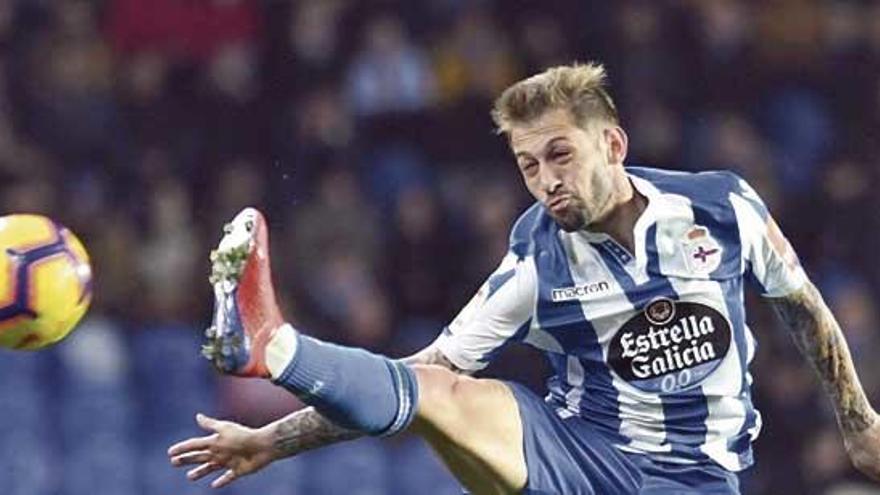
x,y
559,203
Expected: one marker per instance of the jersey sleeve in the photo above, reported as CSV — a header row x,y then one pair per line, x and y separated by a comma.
x,y
769,257
498,314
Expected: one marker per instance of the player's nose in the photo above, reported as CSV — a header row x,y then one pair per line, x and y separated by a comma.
x,y
550,181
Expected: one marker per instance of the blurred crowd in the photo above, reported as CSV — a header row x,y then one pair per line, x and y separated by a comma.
x,y
361,129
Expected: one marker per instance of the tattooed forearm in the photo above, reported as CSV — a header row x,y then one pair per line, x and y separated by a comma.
x,y
307,429
820,339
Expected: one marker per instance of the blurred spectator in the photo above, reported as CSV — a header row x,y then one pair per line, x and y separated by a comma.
x,y
313,33
168,253
847,189
419,286
723,34
655,133
231,73
240,183
799,128
789,37
389,73
544,43
731,141
475,59
336,245
645,64
232,93
492,205
349,295
74,114
114,248
316,130
146,103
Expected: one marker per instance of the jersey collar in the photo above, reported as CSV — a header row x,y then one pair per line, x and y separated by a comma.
x,y
643,223
648,216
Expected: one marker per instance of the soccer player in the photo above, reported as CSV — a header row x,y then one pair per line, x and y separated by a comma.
x,y
629,279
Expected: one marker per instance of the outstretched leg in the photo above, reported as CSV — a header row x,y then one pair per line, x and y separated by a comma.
x,y
473,424
475,427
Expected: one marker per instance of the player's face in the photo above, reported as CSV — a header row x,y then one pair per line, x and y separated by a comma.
x,y
566,167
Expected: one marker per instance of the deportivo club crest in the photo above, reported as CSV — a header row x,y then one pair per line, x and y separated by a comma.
x,y
702,253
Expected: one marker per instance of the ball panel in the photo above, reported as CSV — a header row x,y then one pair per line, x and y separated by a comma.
x,y
75,246
82,267
29,342
23,232
20,233
54,287
7,278
14,330
63,327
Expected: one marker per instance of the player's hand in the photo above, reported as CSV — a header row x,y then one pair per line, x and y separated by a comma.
x,y
237,449
864,449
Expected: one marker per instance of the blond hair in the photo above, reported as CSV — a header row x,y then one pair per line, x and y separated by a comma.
x,y
579,88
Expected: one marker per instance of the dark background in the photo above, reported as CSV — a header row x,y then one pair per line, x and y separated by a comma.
x,y
361,128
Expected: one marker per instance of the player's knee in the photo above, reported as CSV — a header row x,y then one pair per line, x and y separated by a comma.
x,y
447,398
435,383
439,391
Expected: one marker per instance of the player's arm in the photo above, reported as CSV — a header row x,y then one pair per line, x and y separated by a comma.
x,y
240,450
820,339
776,267
307,429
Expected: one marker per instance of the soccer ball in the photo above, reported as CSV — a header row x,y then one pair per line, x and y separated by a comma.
x,y
45,281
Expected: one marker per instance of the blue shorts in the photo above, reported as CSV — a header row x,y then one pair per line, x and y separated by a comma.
x,y
569,456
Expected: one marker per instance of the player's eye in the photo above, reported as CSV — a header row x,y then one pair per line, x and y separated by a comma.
x,y
528,167
561,156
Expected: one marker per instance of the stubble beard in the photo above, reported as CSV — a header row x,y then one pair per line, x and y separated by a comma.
x,y
575,217
583,212
579,215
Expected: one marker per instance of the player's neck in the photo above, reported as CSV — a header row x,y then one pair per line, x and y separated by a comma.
x,y
622,216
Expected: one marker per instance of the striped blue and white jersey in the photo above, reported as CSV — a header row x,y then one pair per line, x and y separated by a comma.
x,y
652,346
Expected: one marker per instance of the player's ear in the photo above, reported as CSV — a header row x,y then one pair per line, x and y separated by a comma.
x,y
617,144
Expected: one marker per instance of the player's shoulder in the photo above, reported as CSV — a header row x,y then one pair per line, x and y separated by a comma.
x,y
708,184
709,193
708,190
531,228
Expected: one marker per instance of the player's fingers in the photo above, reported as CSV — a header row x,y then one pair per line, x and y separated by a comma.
x,y
201,471
197,443
225,479
207,422
195,457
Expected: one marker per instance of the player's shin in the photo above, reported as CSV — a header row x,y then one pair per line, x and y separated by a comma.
x,y
352,387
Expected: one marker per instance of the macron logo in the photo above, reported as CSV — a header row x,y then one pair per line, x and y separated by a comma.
x,y
579,291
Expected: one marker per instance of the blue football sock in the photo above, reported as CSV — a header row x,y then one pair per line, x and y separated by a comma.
x,y
352,387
